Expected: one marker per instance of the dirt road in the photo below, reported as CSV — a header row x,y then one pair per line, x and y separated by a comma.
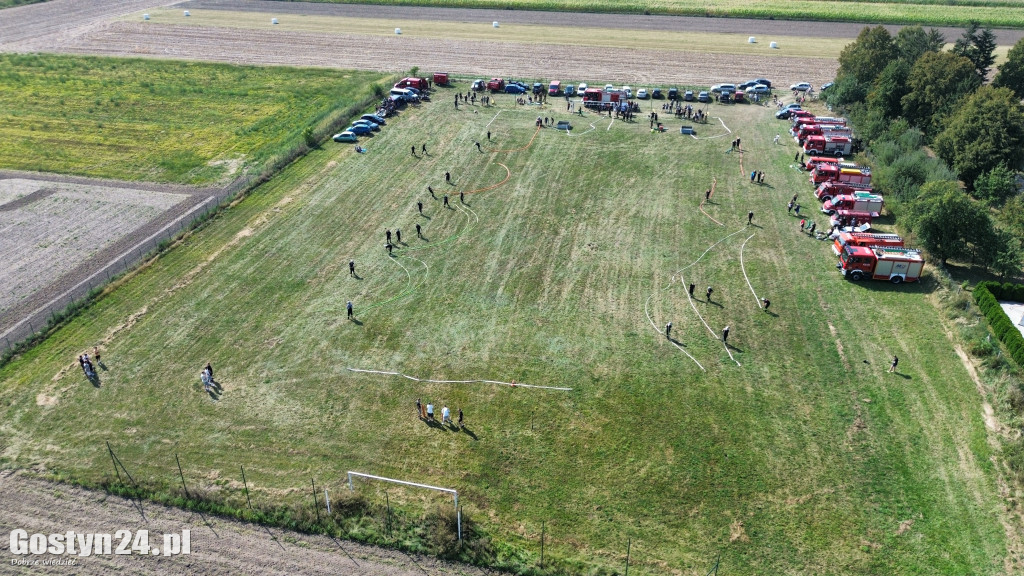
x,y
218,546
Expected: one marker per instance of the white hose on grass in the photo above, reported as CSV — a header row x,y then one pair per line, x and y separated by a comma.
x,y
509,384
744,269
658,330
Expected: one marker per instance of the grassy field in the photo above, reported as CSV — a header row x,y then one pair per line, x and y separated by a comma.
x,y
995,13
160,121
802,456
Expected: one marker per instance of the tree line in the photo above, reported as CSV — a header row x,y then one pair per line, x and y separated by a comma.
x,y
944,136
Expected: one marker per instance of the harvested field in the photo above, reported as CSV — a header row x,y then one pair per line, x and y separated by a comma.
x,y
382,53
49,228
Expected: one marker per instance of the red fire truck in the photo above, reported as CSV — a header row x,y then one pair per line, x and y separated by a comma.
x,y
828,190
866,239
896,265
832,172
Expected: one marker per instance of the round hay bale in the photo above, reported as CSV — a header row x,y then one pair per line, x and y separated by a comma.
x,y
274,21
145,16
774,45
187,13
751,40
398,30
495,23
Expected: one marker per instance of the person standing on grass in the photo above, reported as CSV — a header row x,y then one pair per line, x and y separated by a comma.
x,y
895,362
209,370
803,222
750,217
478,147
351,267
418,233
389,247
460,418
810,229
710,290
725,335
668,330
488,134
692,286
413,148
448,177
753,175
462,197
707,195
797,209
446,201
348,307
765,303
431,190
446,416
419,206
419,408
430,411
789,208
424,150
387,235
398,235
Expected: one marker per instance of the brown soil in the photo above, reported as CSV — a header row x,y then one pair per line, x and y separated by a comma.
x,y
219,546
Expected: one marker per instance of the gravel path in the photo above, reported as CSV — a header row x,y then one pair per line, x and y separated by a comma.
x,y
219,546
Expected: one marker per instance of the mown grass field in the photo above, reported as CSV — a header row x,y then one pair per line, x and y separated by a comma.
x,y
160,121
807,458
995,13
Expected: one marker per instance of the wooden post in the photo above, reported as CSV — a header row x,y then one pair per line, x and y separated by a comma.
x,y
542,545
246,484
316,503
629,544
182,474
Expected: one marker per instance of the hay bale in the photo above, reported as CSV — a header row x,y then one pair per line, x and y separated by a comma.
x,y
274,21
773,45
495,23
398,30
145,16
751,40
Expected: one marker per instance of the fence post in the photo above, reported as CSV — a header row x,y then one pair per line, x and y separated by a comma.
x,y
114,462
328,500
180,473
387,519
629,544
246,484
542,545
316,503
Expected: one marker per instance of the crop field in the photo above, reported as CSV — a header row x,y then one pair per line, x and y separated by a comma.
x,y
789,451
996,13
159,121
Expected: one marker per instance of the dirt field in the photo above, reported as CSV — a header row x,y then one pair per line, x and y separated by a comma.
x,y
49,227
218,546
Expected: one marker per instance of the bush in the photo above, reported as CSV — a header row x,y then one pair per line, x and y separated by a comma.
x,y
987,296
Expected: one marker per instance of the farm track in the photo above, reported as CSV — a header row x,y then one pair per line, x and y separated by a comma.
x,y
219,546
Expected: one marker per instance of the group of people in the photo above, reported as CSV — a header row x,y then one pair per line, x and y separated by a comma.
x,y
86,363
426,413
206,377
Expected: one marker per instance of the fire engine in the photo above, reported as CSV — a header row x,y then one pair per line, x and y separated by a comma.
x,y
856,202
896,265
828,190
866,239
832,172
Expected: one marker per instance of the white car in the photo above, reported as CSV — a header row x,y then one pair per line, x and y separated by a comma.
x,y
758,89
581,88
627,91
642,93
801,87
609,87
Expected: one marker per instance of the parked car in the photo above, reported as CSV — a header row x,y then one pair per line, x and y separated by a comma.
x,y
538,87
360,129
581,88
673,93
826,86
608,87
764,81
627,91
373,125
688,95
642,94
747,84
719,88
758,89
792,106
570,90
801,87
785,113
657,94
346,136
703,97
373,118
479,85
514,89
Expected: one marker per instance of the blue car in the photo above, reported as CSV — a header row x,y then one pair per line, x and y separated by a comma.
x,y
359,129
373,118
373,125
514,89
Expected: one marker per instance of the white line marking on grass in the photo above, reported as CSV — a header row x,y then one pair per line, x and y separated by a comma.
x,y
493,119
592,127
509,384
610,125
658,330
744,269
716,135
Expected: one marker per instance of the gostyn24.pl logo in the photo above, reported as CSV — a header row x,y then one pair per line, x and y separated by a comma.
x,y
95,544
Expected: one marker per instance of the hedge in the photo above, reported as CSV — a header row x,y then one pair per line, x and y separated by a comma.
x,y
987,296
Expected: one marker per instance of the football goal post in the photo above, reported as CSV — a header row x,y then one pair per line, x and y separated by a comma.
x,y
452,491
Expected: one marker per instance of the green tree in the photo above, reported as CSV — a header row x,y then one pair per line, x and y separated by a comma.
x,y
846,91
866,56
890,87
1011,73
986,131
1003,253
948,223
913,41
977,45
937,81
1011,216
996,186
